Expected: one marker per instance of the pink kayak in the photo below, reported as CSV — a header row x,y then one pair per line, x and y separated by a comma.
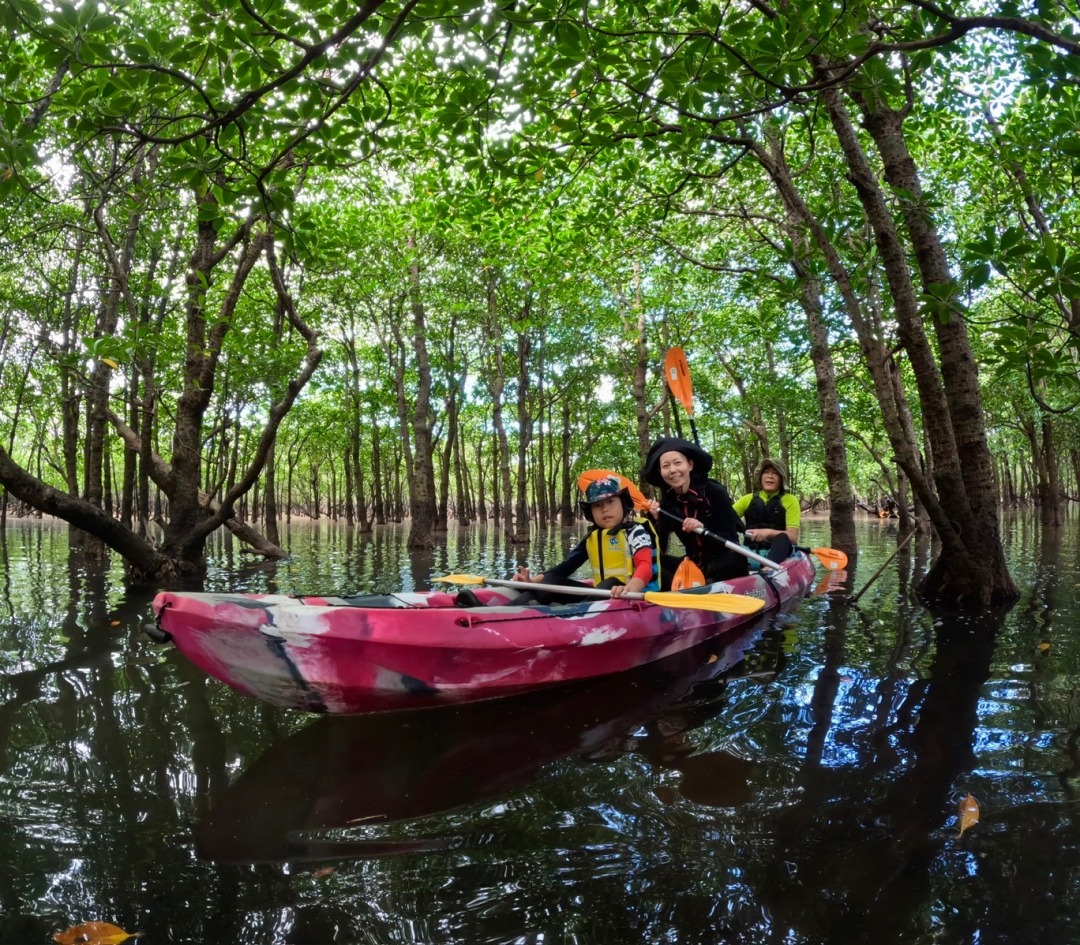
x,y
418,649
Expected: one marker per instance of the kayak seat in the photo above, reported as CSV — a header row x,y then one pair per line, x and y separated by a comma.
x,y
467,598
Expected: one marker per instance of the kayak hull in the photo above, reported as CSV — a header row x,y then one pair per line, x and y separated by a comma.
x,y
419,649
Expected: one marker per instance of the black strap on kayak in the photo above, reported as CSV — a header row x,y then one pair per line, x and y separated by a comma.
x,y
154,630
766,575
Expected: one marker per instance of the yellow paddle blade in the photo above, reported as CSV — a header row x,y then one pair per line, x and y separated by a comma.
x,y
832,559
717,603
460,579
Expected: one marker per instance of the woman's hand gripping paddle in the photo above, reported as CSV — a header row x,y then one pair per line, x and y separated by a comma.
x,y
716,603
746,552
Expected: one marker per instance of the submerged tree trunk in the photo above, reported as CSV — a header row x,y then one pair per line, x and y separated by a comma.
x,y
959,381
422,507
525,427
496,380
270,507
971,567
566,505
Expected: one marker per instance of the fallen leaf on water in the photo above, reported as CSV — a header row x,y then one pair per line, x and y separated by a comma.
x,y
969,813
323,872
114,623
1044,646
712,658
94,933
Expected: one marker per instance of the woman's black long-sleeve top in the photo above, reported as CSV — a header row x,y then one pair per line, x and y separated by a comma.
x,y
707,501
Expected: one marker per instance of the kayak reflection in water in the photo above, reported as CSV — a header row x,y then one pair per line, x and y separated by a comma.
x,y
364,772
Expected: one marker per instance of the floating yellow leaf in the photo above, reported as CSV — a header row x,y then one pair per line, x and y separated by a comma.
x,y
94,933
114,623
110,362
969,813
1044,646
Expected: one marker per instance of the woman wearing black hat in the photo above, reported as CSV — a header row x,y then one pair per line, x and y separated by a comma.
x,y
680,469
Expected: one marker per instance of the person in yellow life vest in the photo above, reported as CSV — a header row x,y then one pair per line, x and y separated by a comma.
x,y
620,549
772,513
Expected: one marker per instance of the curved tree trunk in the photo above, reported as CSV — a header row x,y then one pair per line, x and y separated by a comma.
x,y
959,380
972,565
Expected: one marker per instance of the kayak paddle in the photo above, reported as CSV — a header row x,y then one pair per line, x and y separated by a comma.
x,y
717,603
677,375
830,558
752,555
687,575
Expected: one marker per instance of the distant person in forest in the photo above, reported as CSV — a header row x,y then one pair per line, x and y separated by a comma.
x,y
772,513
620,548
680,470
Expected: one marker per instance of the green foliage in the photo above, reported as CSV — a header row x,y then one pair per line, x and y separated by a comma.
x,y
559,175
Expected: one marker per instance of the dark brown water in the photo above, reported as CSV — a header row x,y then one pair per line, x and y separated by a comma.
x,y
799,785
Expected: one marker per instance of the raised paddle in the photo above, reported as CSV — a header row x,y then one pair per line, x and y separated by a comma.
x,y
677,375
689,600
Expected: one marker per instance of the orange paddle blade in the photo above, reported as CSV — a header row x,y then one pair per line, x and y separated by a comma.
x,y
687,575
677,372
832,559
833,581
591,475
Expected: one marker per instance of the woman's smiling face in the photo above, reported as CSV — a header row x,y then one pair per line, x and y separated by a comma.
x,y
675,469
770,479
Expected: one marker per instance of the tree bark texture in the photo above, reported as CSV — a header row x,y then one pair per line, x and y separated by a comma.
x,y
959,374
422,507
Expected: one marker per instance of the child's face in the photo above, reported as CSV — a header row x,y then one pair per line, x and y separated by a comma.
x,y
607,513
675,469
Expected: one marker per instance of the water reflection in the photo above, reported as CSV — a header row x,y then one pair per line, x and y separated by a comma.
x,y
328,560
883,796
810,804
368,771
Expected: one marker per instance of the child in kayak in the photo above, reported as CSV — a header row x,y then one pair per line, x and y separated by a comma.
x,y
620,548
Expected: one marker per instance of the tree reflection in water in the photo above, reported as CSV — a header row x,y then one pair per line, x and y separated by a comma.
x,y
805,794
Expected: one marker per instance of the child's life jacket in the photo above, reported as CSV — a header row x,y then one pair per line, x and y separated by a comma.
x,y
611,550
